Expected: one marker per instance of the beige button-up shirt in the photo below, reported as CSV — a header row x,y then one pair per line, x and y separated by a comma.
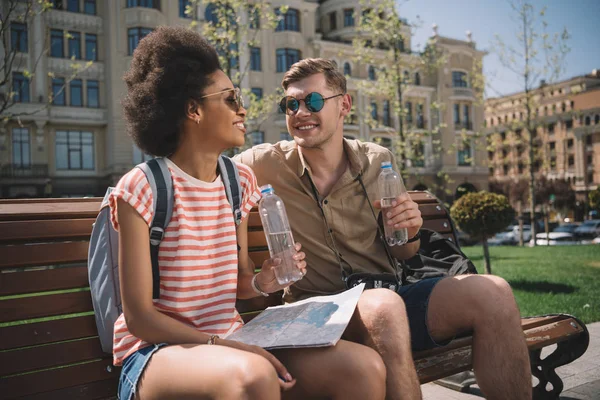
x,y
346,212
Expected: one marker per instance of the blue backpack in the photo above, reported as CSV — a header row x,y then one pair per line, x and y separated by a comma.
x,y
103,254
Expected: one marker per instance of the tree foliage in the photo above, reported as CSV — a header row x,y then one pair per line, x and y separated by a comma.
x,y
482,214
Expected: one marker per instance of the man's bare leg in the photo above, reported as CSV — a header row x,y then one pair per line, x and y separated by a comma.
x,y
485,305
380,322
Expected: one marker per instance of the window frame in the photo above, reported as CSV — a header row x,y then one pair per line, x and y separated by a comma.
x,y
55,36
72,148
76,84
21,86
21,142
255,59
90,85
19,37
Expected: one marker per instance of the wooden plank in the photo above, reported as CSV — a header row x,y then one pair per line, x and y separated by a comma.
x,y
422,197
259,257
40,230
22,282
47,332
259,303
48,356
44,306
257,239
432,211
106,389
52,200
45,381
443,364
441,225
554,332
254,221
31,255
66,209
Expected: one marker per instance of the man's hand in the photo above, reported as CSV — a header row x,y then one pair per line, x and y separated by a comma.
x,y
404,213
266,278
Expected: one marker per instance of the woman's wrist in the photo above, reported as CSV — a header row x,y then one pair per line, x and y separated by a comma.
x,y
257,287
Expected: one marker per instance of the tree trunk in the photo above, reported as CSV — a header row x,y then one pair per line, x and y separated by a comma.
x,y
486,256
520,219
399,75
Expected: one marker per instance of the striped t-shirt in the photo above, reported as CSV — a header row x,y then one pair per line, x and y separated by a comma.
x,y
198,259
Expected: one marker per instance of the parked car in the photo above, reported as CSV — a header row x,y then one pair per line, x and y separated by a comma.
x,y
566,228
464,239
555,239
588,229
510,236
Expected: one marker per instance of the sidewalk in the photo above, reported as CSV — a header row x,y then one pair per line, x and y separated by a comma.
x,y
581,377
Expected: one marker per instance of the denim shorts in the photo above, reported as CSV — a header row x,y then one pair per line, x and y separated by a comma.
x,y
416,298
133,367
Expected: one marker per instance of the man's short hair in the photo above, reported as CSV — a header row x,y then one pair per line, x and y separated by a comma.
x,y
311,66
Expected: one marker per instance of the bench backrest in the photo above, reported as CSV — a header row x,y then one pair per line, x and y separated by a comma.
x,y
48,335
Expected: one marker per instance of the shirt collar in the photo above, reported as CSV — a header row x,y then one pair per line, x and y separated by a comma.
x,y
356,166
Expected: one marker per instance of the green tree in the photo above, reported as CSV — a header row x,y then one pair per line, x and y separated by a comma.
x,y
18,56
594,198
482,215
537,58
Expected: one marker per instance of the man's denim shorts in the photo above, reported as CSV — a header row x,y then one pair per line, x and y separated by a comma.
x,y
416,298
133,367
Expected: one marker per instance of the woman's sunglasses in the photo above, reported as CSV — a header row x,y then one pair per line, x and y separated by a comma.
x,y
237,100
314,102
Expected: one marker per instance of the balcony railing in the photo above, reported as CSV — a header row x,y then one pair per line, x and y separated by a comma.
x,y
468,125
462,91
18,171
419,123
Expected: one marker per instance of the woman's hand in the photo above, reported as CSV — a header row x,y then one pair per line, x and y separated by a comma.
x,y
266,277
286,381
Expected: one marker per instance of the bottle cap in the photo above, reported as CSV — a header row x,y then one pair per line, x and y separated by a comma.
x,y
266,189
386,164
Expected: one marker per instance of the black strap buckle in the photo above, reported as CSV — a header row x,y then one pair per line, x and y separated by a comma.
x,y
156,235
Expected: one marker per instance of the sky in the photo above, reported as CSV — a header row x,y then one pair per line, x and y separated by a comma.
x,y
487,18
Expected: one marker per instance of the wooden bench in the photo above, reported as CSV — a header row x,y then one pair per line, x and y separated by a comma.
x,y
48,343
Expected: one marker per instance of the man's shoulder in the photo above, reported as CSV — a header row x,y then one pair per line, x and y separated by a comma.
x,y
369,152
267,156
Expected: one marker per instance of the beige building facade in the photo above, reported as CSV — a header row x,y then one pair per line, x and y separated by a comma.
x,y
567,137
78,146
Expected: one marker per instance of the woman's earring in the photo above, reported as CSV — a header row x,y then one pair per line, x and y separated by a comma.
x,y
198,121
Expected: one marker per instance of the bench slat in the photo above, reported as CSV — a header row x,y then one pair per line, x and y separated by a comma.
x,y
258,303
46,381
23,282
65,209
38,231
258,257
48,356
44,306
257,239
432,211
106,389
441,225
31,255
47,332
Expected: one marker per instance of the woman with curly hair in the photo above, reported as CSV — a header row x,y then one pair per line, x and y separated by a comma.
x,y
181,106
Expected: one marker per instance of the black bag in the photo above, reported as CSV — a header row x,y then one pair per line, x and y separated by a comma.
x,y
437,257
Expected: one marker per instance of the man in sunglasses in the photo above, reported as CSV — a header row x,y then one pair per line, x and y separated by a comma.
x,y
328,184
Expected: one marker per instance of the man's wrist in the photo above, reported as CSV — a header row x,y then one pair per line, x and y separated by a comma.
x,y
256,287
416,237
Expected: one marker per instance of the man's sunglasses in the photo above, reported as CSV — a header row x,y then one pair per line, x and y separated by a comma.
x,y
237,100
314,102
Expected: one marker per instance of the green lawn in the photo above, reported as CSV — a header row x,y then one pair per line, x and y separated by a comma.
x,y
555,279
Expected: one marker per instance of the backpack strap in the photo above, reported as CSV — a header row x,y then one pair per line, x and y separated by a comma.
x,y
230,176
158,175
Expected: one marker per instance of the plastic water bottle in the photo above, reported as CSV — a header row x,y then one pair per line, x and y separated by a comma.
x,y
279,235
390,187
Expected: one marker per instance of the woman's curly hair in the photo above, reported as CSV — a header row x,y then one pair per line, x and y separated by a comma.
x,y
170,66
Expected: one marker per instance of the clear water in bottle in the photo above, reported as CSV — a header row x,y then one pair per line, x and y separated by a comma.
x,y
279,235
390,187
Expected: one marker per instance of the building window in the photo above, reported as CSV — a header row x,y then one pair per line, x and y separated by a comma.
x,y
57,43
570,143
21,150
464,155
57,4
91,47
418,159
73,5
20,87
347,69
254,16
58,91
93,94
571,161
210,14
466,117
384,141
183,6
75,45
255,60
417,79
139,156
144,3
420,119
551,129
257,137
74,150
349,17
456,115
257,92
286,58
18,37
374,110
588,120
290,21
386,113
76,93
134,36
588,140
89,7
569,124
372,75
285,136
409,112
332,21
552,146
459,79
597,119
